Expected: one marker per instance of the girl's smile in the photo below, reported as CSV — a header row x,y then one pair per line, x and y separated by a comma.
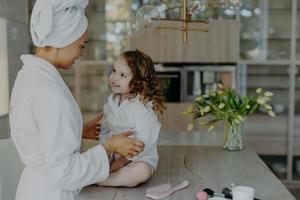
x,y
120,77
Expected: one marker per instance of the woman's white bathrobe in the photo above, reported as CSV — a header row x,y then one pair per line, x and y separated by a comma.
x,y
46,127
135,116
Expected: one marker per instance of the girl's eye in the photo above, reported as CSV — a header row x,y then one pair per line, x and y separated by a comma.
x,y
113,70
123,75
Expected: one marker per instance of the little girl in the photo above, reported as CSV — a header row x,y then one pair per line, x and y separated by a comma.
x,y
136,104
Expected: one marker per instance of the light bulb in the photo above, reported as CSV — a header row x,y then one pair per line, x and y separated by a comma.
x,y
133,28
147,16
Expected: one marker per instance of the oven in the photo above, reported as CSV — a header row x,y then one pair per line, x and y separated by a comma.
x,y
198,80
170,80
184,82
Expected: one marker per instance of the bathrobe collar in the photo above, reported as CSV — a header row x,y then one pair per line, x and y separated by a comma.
x,y
113,102
34,61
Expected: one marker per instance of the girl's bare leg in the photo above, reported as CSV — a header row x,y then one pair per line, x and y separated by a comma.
x,y
130,175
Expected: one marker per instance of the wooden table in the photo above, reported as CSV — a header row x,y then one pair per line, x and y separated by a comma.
x,y
202,166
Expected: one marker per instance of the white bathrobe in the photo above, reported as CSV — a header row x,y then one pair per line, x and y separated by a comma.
x,y
46,127
135,116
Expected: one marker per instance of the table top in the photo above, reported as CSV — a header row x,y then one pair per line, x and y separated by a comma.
x,y
204,167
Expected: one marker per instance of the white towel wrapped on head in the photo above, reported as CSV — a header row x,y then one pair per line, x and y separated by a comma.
x,y
58,23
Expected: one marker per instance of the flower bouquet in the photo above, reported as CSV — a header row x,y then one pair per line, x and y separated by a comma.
x,y
227,106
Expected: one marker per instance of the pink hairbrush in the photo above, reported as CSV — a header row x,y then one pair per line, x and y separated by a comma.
x,y
162,191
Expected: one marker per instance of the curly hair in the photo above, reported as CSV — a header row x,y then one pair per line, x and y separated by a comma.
x,y
144,81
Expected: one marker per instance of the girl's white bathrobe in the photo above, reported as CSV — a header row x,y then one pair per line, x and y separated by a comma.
x,y
46,127
135,116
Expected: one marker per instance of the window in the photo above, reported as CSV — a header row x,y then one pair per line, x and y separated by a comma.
x,y
4,91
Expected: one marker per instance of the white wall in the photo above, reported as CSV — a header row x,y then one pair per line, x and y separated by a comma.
x,y
16,14
4,84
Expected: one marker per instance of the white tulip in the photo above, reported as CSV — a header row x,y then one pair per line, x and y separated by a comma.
x,y
221,106
271,113
240,118
260,101
207,109
198,98
268,107
211,128
201,111
237,121
258,90
266,98
220,86
268,94
190,126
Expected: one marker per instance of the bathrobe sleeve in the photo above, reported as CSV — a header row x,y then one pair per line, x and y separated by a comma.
x,y
147,127
104,129
59,138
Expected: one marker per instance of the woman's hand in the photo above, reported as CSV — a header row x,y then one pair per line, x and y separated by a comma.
x,y
91,130
124,145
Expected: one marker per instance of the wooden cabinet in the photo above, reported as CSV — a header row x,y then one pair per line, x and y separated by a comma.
x,y
218,45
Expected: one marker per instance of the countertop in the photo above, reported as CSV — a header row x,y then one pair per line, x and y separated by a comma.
x,y
204,167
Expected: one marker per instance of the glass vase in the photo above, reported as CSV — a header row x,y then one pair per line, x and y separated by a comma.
x,y
233,140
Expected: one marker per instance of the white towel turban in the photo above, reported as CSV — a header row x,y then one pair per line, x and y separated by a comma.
x,y
58,23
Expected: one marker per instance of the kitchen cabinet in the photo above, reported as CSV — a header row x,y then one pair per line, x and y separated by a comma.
x,y
269,54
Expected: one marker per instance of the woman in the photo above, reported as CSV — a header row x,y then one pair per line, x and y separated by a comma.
x,y
46,123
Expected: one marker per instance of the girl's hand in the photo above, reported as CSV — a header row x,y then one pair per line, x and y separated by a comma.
x,y
118,164
91,130
124,145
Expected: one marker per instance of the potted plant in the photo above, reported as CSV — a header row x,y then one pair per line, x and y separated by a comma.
x,y
227,106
